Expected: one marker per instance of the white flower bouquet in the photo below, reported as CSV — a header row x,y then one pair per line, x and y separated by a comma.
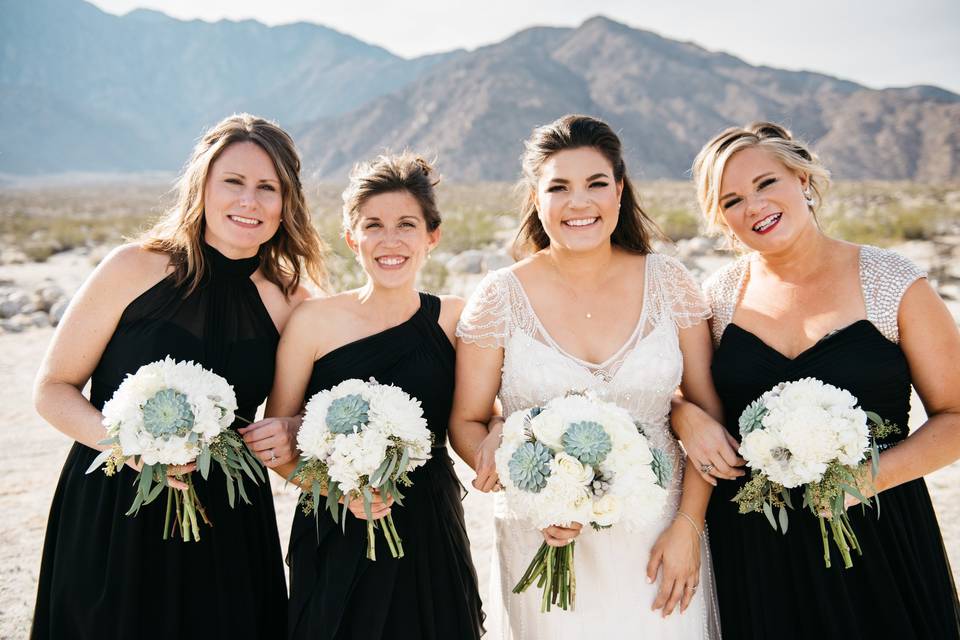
x,y
174,413
811,434
356,439
578,459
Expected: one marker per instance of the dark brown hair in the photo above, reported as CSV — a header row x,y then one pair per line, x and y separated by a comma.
x,y
634,230
388,173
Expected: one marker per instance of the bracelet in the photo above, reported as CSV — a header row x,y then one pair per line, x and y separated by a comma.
x,y
692,523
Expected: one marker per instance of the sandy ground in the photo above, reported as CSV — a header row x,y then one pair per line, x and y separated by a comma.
x,y
32,453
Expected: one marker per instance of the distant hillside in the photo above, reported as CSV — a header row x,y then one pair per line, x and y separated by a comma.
x,y
665,97
83,90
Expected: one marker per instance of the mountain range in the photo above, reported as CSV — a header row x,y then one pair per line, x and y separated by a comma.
x,y
84,90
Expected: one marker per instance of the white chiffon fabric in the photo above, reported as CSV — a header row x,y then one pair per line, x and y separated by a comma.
x,y
613,596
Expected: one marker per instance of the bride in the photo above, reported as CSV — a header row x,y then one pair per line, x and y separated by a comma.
x,y
590,307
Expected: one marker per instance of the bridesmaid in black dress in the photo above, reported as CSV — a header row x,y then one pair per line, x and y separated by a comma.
x,y
214,282
857,317
385,329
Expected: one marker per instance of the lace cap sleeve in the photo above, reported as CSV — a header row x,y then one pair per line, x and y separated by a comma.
x,y
722,290
681,297
485,320
885,276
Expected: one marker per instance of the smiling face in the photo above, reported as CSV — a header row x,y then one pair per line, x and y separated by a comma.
x,y
763,202
391,239
578,200
242,200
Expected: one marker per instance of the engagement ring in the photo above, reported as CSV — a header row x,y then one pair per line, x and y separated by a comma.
x,y
706,468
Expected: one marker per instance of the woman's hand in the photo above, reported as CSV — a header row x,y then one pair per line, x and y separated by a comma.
x,y
484,463
708,444
173,470
676,555
274,440
378,508
561,536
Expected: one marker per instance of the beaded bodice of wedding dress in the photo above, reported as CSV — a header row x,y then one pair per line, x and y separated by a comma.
x,y
613,596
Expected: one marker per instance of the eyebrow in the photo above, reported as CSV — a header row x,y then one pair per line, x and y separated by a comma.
x,y
240,175
755,181
407,217
593,177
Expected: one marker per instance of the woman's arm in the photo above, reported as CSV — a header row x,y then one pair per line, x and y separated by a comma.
x,y
298,350
678,548
274,440
83,334
931,342
478,382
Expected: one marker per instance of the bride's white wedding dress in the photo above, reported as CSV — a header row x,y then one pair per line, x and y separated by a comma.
x,y
613,597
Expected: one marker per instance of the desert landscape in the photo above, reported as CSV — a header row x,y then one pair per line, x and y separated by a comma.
x,y
51,237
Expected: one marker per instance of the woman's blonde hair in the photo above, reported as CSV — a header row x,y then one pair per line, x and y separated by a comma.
x,y
296,248
710,163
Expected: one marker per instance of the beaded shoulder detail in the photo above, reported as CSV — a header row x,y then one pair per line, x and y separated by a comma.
x,y
722,291
494,311
674,293
884,277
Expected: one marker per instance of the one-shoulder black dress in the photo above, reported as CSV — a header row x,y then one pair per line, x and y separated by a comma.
x,y
771,585
431,592
107,575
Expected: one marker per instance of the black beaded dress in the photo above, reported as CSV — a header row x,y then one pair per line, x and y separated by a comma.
x,y
771,585
107,575
431,592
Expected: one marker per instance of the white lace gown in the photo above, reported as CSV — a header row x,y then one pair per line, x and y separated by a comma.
x,y
613,596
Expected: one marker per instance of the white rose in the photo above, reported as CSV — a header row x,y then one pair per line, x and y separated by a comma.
x,y
606,511
565,464
549,427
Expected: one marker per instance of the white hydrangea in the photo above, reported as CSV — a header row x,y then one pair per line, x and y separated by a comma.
x,y
393,419
808,426
633,498
210,397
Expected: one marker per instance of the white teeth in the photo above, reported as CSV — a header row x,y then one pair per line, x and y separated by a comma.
x,y
583,222
245,220
391,262
766,222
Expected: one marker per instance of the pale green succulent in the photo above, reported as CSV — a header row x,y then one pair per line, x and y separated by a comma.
x,y
752,417
346,413
530,466
167,413
587,442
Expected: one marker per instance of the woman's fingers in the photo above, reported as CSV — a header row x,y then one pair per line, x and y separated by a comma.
x,y
653,564
663,592
676,594
561,536
689,590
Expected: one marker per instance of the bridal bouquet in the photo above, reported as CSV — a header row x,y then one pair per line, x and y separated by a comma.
x,y
356,439
578,459
811,434
174,413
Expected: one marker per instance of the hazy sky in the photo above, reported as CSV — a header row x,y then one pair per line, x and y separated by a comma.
x,y
879,43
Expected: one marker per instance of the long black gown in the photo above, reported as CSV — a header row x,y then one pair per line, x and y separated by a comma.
x,y
771,585
430,593
107,575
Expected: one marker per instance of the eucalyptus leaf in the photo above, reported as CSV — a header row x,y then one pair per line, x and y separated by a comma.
x,y
768,511
146,479
242,489
783,519
203,462
135,507
99,460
